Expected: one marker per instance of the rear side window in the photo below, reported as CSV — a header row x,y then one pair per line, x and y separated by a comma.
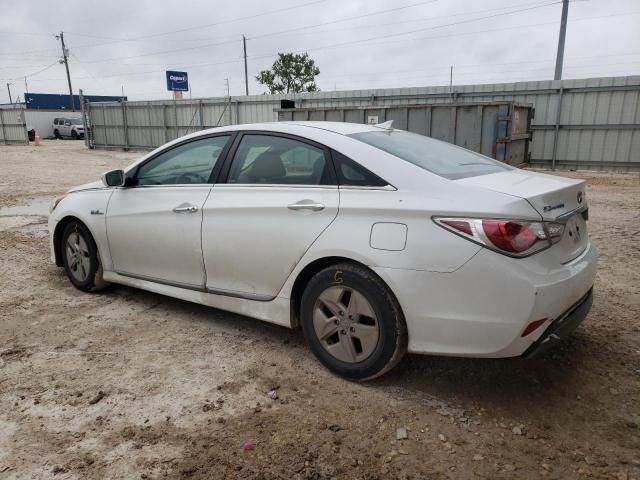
x,y
441,158
270,159
353,174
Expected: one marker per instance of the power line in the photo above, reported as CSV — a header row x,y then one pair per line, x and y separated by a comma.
x,y
340,44
34,73
359,42
207,45
159,34
347,19
208,25
362,41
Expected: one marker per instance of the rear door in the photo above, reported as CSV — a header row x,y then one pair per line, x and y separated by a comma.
x,y
276,195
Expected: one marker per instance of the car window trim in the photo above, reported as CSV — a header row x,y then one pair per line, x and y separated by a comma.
x,y
133,174
387,187
223,178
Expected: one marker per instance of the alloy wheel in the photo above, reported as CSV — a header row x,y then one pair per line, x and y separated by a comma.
x,y
346,324
78,259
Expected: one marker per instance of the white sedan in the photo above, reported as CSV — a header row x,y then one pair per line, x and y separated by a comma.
x,y
373,240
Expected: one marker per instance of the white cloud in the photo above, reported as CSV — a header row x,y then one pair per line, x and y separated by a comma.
x,y
603,39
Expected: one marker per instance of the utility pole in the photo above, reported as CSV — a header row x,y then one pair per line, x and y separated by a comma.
x,y
66,66
26,86
9,90
229,101
246,75
563,33
451,81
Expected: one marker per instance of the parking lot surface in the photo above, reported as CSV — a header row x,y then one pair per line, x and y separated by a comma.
x,y
130,384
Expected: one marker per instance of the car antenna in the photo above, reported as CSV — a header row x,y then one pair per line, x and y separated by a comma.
x,y
388,125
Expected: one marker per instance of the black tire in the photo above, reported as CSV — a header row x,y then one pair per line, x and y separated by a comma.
x,y
391,343
56,133
74,134
92,281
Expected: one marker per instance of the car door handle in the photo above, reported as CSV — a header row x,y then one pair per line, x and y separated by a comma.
x,y
314,207
185,209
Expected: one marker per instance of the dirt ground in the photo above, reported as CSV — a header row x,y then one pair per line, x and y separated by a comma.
x,y
129,384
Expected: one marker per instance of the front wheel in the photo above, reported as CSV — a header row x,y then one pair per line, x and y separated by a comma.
x,y
74,134
352,322
80,258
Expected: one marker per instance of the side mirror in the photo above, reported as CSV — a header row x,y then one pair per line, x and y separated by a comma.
x,y
114,178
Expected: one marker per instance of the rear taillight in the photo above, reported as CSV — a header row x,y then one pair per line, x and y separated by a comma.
x,y
518,238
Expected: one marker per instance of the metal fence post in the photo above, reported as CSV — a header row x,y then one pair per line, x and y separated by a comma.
x,y
23,117
149,137
201,114
104,125
4,131
556,130
83,109
165,122
125,125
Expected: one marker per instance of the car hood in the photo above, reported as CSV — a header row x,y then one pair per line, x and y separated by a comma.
x,y
550,195
87,186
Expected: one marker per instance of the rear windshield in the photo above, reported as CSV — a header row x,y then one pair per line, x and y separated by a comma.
x,y
441,158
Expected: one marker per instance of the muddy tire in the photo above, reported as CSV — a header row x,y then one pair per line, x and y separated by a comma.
x,y
352,322
80,258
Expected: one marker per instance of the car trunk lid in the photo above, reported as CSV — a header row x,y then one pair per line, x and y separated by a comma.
x,y
554,198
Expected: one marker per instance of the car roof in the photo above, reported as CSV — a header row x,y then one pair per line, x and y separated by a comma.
x,y
342,128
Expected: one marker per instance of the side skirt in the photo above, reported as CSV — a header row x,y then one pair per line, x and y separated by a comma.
x,y
275,311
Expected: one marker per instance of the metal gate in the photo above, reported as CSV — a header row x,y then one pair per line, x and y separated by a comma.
x,y
13,127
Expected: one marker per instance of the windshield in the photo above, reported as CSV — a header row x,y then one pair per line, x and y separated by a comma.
x,y
441,158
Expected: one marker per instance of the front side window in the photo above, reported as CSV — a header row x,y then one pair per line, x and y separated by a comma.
x,y
190,163
441,158
268,159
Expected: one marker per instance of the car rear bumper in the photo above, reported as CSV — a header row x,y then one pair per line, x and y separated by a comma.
x,y
562,326
483,308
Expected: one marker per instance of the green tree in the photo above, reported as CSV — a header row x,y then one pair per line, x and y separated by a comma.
x,y
290,73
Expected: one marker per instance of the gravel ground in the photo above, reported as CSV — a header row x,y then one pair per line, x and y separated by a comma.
x,y
129,384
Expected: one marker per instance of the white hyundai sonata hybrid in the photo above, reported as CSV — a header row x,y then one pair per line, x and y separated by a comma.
x,y
374,240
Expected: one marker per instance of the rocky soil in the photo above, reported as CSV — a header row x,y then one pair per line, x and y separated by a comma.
x,y
129,384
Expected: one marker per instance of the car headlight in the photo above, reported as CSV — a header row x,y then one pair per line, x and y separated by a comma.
x,y
55,202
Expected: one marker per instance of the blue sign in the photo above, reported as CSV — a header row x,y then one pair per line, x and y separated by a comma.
x,y
177,81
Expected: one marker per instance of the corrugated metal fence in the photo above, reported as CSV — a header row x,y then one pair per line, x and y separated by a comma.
x,y
13,128
584,123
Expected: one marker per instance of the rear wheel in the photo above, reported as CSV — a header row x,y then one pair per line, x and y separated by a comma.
x,y
352,322
56,133
80,258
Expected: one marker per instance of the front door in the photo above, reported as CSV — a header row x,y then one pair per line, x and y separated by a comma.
x,y
154,226
279,195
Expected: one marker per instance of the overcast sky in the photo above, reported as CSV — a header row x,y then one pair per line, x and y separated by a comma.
x,y
356,44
